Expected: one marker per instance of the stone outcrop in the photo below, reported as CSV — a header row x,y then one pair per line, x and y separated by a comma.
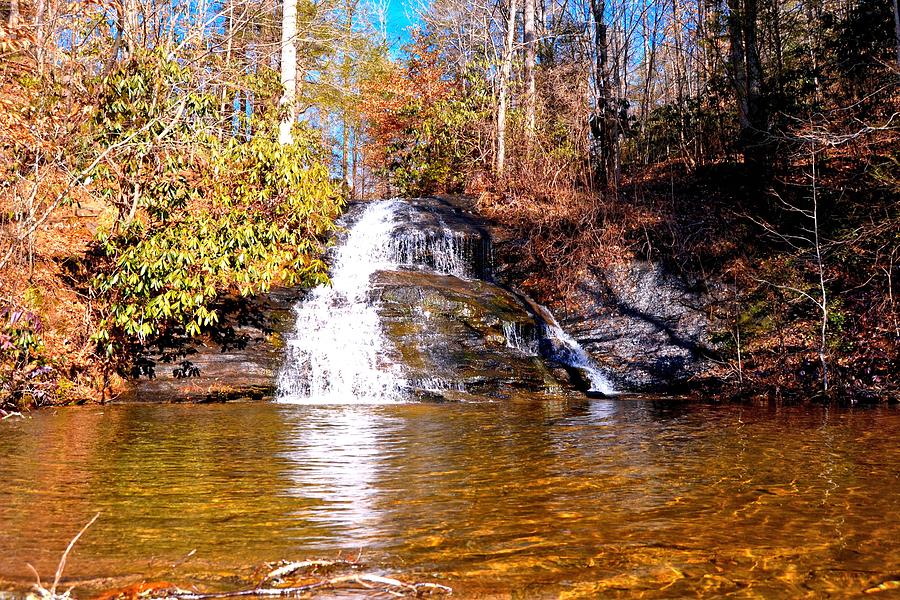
x,y
647,329
454,329
239,361
453,335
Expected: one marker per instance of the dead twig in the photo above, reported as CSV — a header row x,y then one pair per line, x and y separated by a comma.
x,y
50,594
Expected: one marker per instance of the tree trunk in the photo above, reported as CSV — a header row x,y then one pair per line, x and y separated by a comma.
x,y
14,13
747,80
603,123
897,31
530,53
39,49
288,70
227,115
345,152
505,72
130,26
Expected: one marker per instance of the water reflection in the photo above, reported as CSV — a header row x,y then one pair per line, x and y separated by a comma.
x,y
588,498
335,456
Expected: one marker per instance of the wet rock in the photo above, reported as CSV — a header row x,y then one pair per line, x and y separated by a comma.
x,y
646,328
438,235
449,334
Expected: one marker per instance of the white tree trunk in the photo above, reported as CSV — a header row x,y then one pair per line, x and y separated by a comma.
x,y
14,13
288,69
505,72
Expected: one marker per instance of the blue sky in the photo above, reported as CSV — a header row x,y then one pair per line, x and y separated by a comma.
x,y
399,14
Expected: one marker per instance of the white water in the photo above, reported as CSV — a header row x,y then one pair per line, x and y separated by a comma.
x,y
336,353
517,339
447,249
569,352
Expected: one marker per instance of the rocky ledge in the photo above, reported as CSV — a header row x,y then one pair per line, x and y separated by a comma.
x,y
239,361
453,335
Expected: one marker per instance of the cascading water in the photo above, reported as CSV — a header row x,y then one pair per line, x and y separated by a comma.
x,y
568,351
335,354
434,243
338,353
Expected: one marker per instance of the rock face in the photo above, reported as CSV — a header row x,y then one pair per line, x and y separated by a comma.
x,y
647,329
450,329
453,335
238,362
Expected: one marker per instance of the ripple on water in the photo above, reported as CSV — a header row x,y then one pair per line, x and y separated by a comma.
x,y
581,498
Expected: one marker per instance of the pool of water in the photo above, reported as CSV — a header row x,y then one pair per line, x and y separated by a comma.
x,y
573,498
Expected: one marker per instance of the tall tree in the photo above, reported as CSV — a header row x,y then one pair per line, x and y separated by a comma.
x,y
604,122
747,79
897,31
14,13
530,41
505,73
288,70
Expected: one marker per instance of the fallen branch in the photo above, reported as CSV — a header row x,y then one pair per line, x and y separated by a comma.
x,y
364,580
51,593
291,568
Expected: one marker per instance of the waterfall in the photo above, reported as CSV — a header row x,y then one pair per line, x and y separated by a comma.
x,y
525,342
566,350
335,355
338,352
434,243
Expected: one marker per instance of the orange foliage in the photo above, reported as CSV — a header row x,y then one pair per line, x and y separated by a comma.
x,y
148,589
387,98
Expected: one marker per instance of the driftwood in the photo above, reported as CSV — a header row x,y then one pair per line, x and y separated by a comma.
x,y
364,580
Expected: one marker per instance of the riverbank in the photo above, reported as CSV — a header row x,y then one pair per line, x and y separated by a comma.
x,y
657,315
731,248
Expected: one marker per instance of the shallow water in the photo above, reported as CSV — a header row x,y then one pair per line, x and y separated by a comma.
x,y
587,498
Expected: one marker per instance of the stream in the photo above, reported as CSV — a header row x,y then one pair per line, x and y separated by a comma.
x,y
438,426
583,497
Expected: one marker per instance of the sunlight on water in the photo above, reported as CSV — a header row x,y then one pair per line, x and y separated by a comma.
x,y
336,455
551,498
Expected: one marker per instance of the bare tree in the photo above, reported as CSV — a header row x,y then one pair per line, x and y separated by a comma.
x,y
897,31
505,72
747,77
14,13
530,41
